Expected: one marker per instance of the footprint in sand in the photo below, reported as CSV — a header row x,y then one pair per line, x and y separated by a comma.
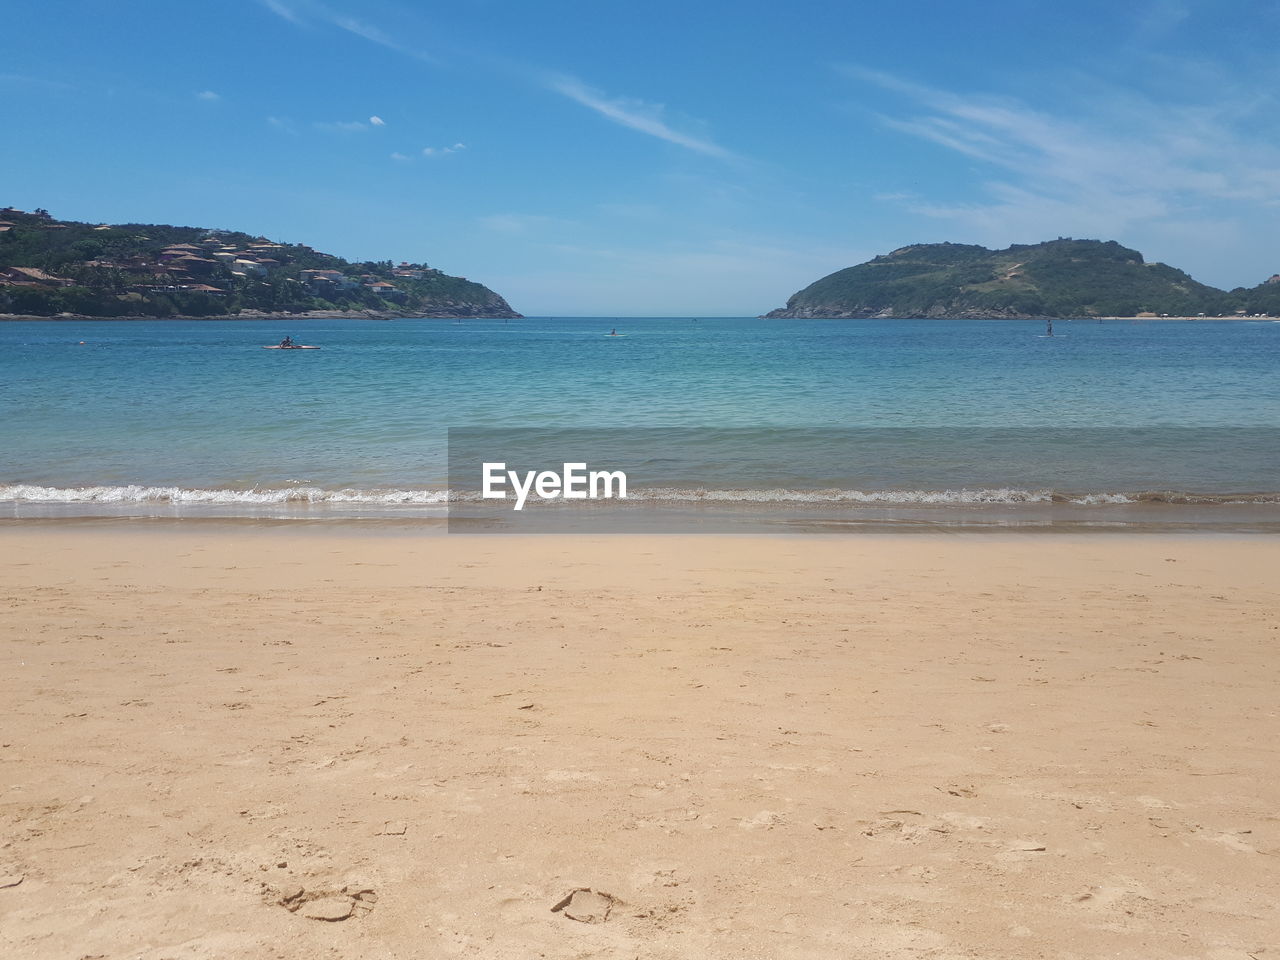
x,y
765,819
586,905
331,906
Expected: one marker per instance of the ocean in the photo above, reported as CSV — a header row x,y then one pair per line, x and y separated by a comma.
x,y
833,423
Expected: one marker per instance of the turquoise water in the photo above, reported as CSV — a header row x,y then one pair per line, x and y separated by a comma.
x,y
895,410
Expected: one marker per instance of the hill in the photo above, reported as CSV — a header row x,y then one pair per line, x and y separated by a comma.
x,y
1058,278
50,267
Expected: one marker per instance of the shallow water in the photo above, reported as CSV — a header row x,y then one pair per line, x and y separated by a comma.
x,y
149,416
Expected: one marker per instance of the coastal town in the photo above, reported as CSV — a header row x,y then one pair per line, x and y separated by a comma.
x,y
50,267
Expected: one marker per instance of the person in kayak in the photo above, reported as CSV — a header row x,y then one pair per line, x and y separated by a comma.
x,y
286,343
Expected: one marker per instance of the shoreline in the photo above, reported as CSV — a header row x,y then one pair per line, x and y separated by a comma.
x,y
397,315
736,512
667,521
749,746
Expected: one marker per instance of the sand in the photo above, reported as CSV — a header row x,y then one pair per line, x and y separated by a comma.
x,y
241,741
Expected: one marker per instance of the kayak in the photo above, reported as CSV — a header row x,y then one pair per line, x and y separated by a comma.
x,y
298,347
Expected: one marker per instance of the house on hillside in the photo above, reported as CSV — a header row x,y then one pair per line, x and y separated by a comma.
x,y
320,283
247,268
182,288
384,289
198,266
30,275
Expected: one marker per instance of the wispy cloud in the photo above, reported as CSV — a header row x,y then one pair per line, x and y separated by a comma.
x,y
442,151
1129,161
638,115
301,12
288,125
399,157
282,10
373,34
635,114
208,95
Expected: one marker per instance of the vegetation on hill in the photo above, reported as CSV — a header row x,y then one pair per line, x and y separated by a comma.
x,y
1058,278
49,267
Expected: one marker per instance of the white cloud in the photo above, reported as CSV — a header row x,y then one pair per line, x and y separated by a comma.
x,y
377,122
208,95
442,151
399,156
635,114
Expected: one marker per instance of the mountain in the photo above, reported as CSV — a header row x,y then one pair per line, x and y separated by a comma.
x,y
1058,278
50,267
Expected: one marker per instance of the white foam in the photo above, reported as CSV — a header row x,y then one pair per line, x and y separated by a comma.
x,y
285,497
963,496
135,493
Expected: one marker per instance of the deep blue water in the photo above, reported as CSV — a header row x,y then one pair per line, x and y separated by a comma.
x,y
1107,408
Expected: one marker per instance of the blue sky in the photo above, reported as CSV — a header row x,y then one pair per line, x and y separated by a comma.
x,y
664,158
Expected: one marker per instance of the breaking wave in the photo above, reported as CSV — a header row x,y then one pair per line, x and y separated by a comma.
x,y
270,496
285,497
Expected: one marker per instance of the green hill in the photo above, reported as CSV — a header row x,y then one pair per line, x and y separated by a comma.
x,y
1058,278
50,267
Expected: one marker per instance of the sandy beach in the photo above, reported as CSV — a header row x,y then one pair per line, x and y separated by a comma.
x,y
295,742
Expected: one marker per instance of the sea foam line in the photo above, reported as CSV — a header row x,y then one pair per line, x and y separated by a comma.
x,y
137,493
781,495
301,496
